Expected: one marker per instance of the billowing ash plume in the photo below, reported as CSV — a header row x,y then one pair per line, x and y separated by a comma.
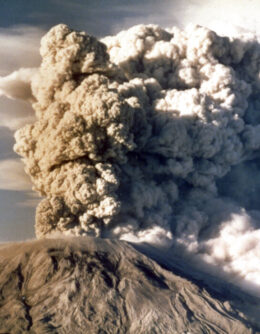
x,y
134,131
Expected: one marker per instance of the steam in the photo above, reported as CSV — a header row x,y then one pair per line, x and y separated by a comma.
x,y
134,131
236,248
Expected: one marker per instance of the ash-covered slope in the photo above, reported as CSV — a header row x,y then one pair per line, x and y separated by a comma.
x,y
87,285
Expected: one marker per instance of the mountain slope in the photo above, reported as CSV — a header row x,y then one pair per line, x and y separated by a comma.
x,y
89,285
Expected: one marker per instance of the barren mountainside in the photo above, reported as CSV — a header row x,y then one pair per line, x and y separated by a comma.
x,y
90,285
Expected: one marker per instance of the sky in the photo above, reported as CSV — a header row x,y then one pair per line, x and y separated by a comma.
x,y
23,22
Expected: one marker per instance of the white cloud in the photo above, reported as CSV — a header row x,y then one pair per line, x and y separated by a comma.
x,y
17,85
224,17
236,249
19,48
13,177
15,113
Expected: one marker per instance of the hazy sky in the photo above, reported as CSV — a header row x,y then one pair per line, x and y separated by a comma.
x,y
23,22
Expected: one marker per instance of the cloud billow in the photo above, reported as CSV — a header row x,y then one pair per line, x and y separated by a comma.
x,y
133,132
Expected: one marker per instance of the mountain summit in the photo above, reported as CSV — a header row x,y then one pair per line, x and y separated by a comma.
x,y
91,285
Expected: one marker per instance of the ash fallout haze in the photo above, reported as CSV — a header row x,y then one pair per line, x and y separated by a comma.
x,y
136,121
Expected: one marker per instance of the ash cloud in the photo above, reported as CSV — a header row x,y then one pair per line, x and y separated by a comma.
x,y
133,133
